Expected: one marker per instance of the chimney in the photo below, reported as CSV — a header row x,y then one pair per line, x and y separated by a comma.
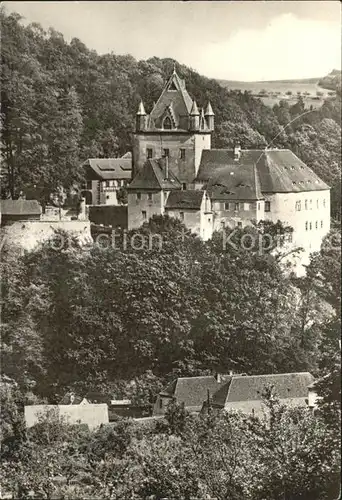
x,y
166,167
237,152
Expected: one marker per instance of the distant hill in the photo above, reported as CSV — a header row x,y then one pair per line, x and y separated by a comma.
x,y
332,81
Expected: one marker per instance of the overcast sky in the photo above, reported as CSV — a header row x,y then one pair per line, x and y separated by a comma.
x,y
246,40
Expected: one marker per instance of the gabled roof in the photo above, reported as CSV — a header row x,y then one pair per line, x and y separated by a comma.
x,y
20,207
278,170
187,199
109,168
179,97
251,388
153,176
192,391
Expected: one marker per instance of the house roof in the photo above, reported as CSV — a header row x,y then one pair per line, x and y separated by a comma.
x,y
152,176
20,207
108,168
251,388
187,199
192,391
278,170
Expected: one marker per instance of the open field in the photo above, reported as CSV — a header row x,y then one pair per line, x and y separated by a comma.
x,y
271,92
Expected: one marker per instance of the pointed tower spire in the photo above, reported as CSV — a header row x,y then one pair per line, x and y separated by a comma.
x,y
209,110
141,109
194,117
209,115
194,110
141,118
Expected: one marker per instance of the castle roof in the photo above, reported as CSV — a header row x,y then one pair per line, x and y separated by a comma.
x,y
251,388
186,199
278,170
109,168
174,92
153,176
231,183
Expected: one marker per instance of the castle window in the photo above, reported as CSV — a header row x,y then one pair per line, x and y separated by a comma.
x,y
246,206
167,125
226,206
324,203
298,206
181,216
166,153
316,224
310,226
306,226
267,206
239,224
144,215
149,152
138,196
184,186
149,196
321,223
317,203
182,154
306,204
236,206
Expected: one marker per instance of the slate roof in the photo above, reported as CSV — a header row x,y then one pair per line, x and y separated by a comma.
x,y
251,388
20,207
192,391
278,170
235,183
187,199
152,176
109,168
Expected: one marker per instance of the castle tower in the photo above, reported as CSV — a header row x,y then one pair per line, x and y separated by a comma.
x,y
174,130
209,115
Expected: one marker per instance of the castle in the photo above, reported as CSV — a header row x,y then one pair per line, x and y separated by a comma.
x,y
176,172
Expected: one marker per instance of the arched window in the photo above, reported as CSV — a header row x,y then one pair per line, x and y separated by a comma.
x,y
167,123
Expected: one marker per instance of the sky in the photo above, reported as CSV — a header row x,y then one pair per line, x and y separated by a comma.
x,y
233,40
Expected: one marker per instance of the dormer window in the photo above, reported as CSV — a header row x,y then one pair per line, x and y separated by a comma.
x,y
167,125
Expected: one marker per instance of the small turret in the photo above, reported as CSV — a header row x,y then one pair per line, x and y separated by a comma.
x,y
194,117
209,115
141,119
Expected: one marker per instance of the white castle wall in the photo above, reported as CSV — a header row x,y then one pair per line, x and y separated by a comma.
x,y
29,234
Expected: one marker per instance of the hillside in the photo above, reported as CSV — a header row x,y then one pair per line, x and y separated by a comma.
x,y
332,81
63,103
